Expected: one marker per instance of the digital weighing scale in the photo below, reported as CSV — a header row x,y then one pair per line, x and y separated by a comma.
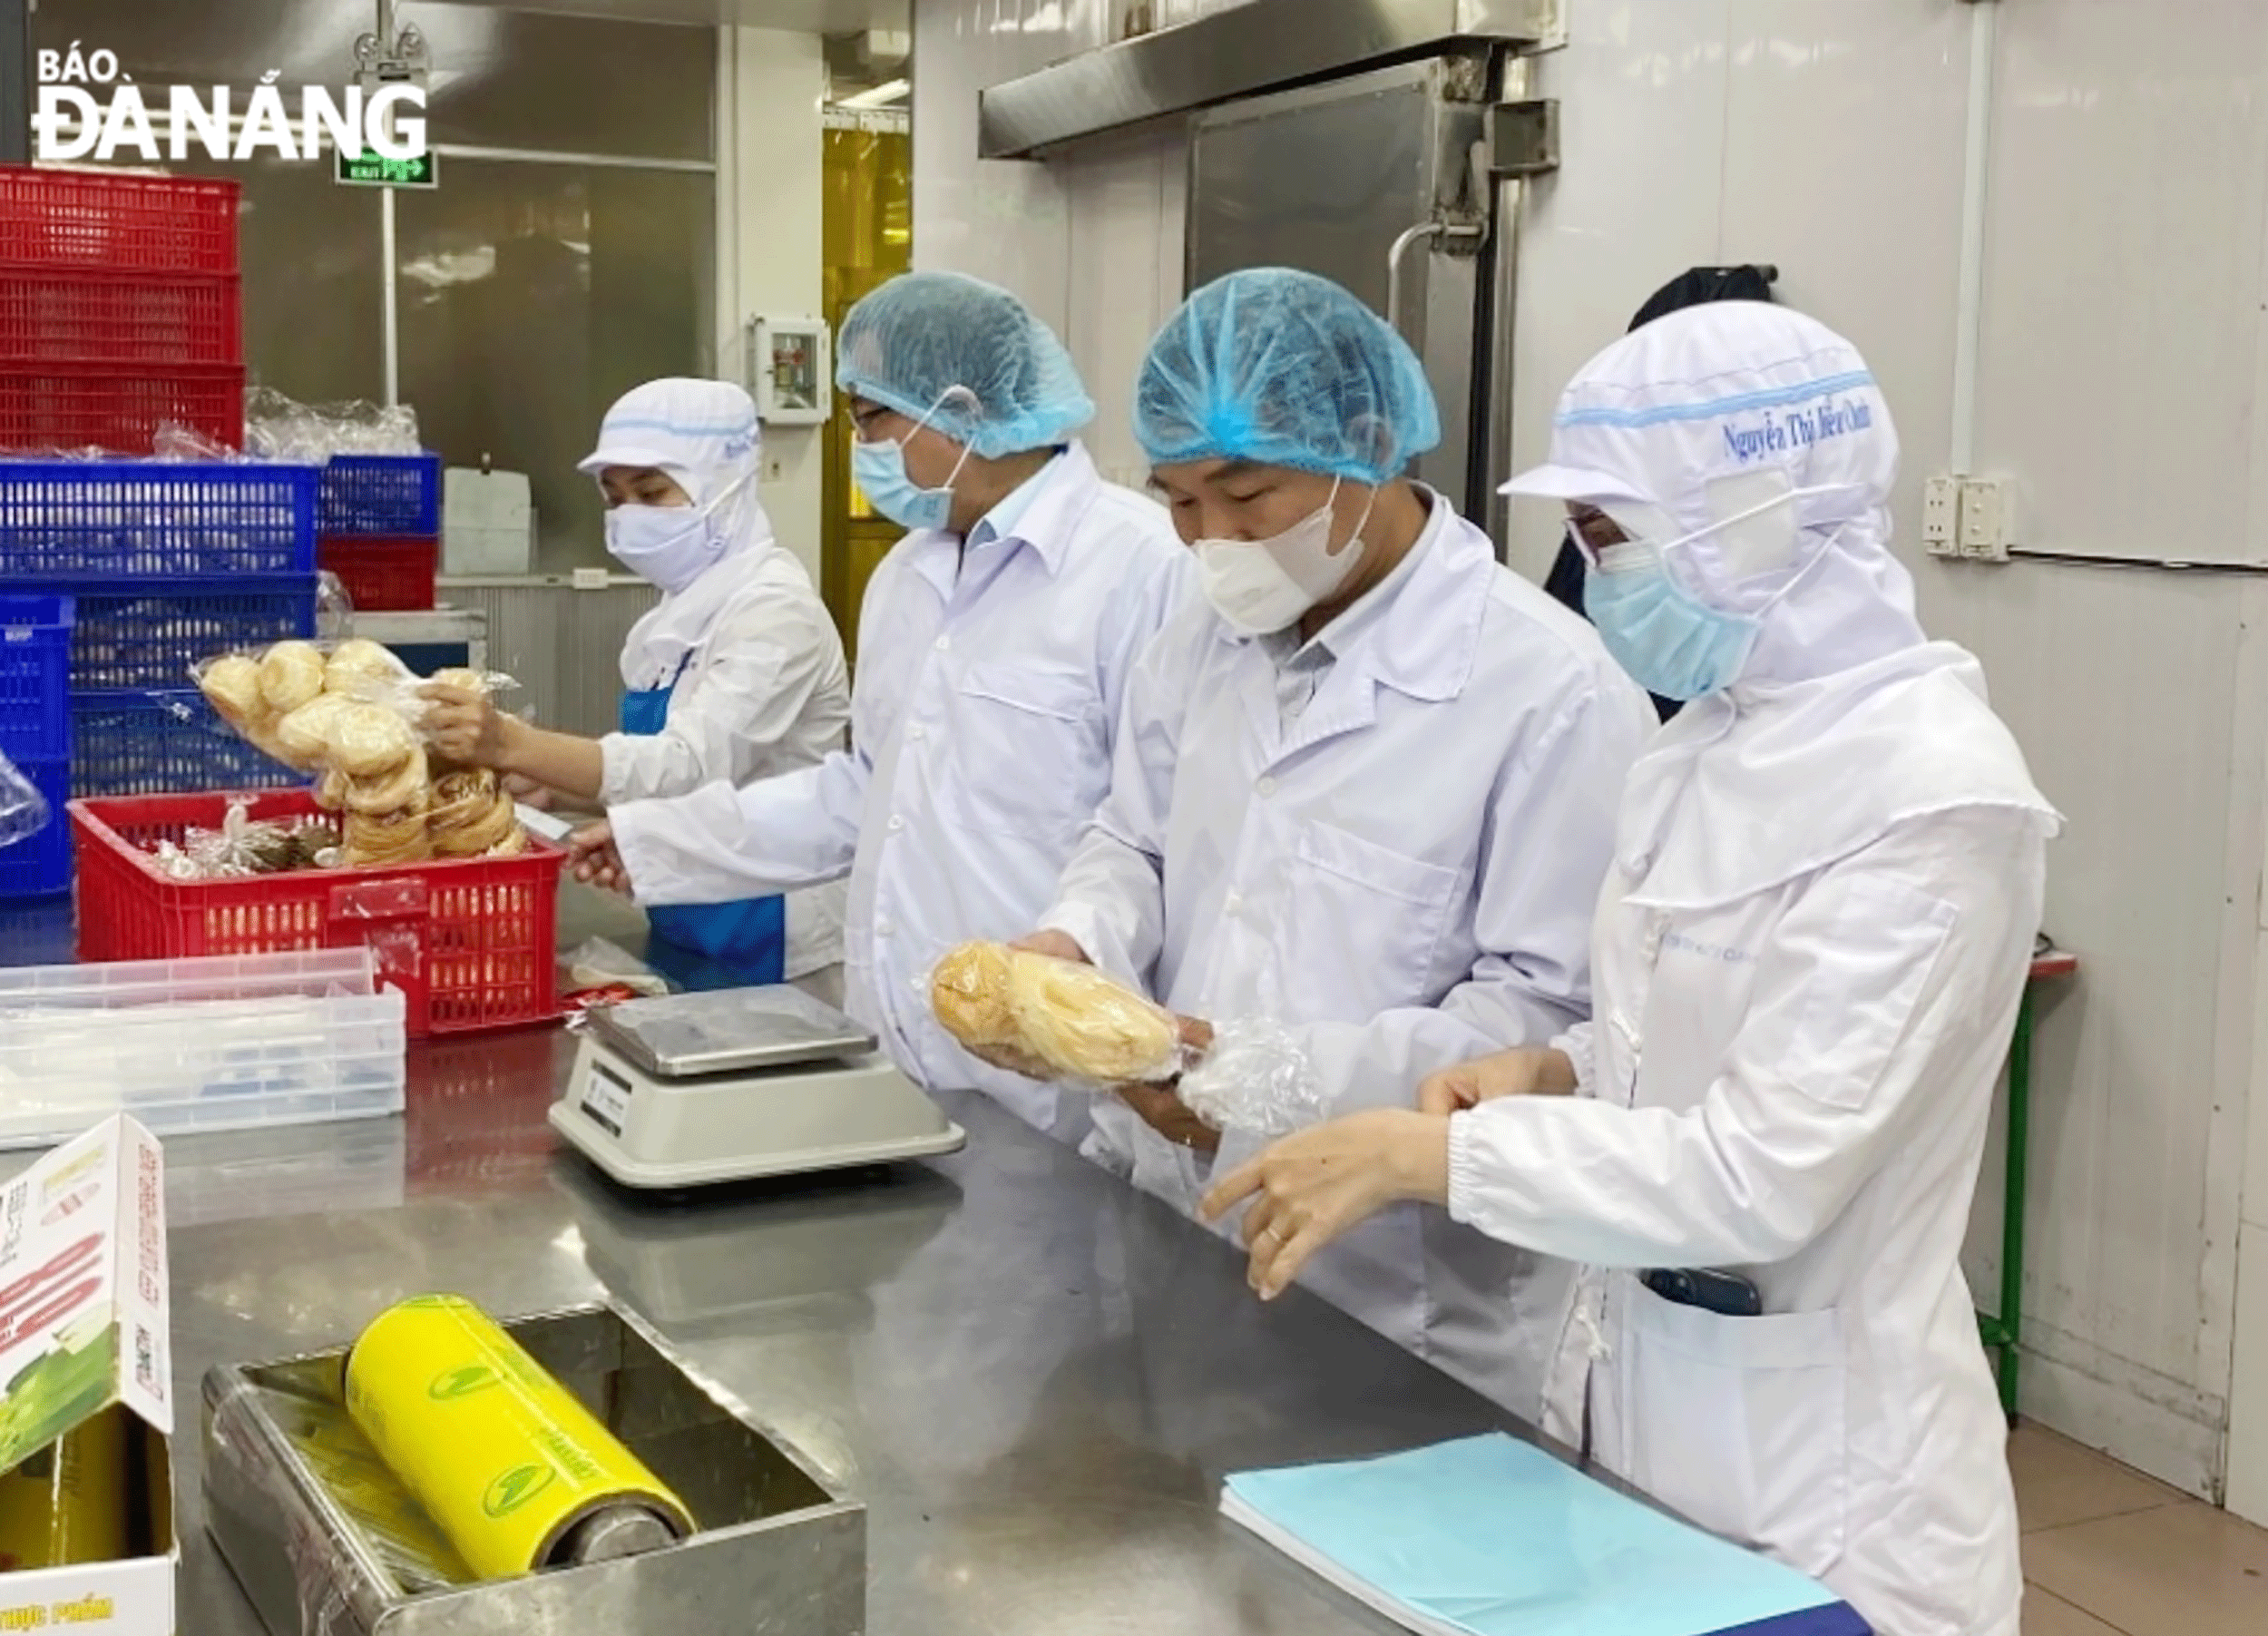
x,y
691,1089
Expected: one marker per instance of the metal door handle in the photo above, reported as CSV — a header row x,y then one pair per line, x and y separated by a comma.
x,y
1395,258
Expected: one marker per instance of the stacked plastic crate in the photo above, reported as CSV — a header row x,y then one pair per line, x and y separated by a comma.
x,y
378,523
121,311
36,735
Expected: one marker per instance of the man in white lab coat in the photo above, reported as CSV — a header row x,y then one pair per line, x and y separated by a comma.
x,y
1365,790
1808,957
994,648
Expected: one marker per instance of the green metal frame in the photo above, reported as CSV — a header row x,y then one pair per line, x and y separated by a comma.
x,y
2003,1333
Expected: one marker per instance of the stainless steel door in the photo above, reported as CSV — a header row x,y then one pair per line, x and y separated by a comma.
x,y
1350,180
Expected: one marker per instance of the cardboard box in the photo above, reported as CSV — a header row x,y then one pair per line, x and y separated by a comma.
x,y
84,1335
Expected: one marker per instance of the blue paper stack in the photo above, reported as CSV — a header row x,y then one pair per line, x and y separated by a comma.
x,y
1492,1537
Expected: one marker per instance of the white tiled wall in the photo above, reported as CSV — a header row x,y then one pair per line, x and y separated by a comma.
x,y
2124,360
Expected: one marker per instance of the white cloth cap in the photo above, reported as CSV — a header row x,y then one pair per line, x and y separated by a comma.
x,y
1696,416
703,432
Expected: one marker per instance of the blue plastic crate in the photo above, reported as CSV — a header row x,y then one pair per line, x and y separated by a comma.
x,y
162,742
36,678
40,865
147,633
80,519
379,496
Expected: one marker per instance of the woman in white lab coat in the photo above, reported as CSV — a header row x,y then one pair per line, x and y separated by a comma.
x,y
1806,962
737,674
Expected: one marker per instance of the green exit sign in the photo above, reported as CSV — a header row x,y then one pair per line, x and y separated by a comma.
x,y
372,171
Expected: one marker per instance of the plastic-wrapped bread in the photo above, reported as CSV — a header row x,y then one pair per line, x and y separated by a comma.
x,y
1070,1016
375,840
368,740
360,667
456,676
969,992
407,787
304,735
232,683
471,817
290,674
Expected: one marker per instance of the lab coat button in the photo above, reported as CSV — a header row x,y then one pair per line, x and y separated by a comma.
x,y
896,823
943,642
1234,904
1267,786
917,733
882,928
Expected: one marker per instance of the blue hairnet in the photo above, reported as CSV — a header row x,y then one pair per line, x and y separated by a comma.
x,y
918,337
1285,368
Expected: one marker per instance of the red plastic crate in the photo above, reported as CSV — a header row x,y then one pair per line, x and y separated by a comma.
x,y
470,942
383,576
71,314
161,224
69,406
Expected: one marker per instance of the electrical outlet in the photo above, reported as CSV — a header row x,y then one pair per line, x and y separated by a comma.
x,y
590,579
1940,516
1987,519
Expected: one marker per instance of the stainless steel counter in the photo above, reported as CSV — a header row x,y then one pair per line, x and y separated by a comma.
x,y
1035,1379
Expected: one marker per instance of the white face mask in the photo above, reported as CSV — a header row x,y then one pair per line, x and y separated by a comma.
x,y
670,547
1264,586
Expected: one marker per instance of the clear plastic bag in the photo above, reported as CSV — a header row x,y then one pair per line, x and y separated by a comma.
x,y
1254,1077
245,846
351,715
23,811
334,609
276,427
175,441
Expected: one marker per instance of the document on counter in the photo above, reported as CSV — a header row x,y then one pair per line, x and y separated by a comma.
x,y
1492,1537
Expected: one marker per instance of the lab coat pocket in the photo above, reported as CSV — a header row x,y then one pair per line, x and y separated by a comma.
x,y
1738,1423
1364,917
1037,737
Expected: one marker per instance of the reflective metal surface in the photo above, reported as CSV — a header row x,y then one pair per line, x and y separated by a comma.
x,y
318,1543
679,1035
1033,1379
1265,45
1368,181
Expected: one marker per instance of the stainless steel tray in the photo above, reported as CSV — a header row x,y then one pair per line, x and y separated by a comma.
x,y
780,1552
680,1036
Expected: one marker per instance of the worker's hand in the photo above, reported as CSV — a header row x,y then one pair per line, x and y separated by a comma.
x,y
1161,1107
596,861
1055,945
1311,1189
464,727
1525,1073
529,793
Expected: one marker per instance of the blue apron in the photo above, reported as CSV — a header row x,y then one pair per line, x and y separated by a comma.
x,y
748,939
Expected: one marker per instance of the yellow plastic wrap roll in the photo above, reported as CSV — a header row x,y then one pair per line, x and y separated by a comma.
x,y
67,1504
519,1475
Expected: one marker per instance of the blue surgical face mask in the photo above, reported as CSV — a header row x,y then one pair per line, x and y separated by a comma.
x,y
1672,643
879,470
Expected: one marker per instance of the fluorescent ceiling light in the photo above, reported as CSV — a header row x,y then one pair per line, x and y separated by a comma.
x,y
881,96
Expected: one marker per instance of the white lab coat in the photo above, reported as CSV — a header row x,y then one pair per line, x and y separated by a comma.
x,y
982,718
1807,960
761,689
1405,873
